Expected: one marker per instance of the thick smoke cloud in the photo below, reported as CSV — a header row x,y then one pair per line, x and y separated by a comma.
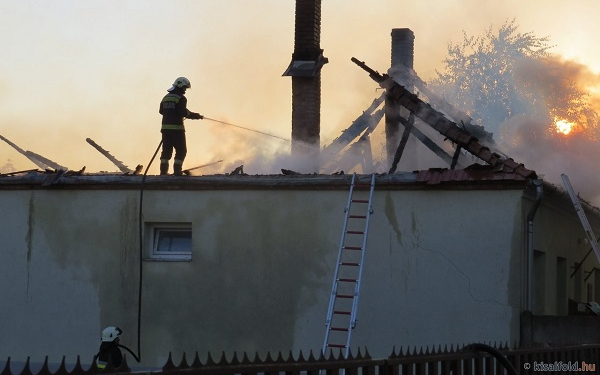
x,y
565,89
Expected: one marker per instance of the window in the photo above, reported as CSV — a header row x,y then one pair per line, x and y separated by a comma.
x,y
170,242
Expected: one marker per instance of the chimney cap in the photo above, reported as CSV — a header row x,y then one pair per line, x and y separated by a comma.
x,y
306,68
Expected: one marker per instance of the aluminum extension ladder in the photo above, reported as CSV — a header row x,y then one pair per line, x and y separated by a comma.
x,y
584,221
343,302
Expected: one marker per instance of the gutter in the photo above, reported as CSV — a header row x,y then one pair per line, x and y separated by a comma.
x,y
538,183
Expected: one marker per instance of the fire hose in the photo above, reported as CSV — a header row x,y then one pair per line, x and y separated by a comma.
x,y
245,128
140,222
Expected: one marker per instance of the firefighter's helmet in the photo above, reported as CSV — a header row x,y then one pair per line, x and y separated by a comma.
x,y
109,334
182,83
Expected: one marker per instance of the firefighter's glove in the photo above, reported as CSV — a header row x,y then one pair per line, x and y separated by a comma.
x,y
195,116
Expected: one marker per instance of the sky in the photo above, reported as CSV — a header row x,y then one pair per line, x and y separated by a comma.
x,y
73,69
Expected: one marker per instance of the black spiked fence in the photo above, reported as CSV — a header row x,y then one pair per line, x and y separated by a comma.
x,y
473,359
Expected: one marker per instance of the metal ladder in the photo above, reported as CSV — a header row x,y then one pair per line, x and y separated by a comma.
x,y
343,302
586,225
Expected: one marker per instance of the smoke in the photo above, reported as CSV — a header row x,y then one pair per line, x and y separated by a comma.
x,y
7,167
258,153
564,89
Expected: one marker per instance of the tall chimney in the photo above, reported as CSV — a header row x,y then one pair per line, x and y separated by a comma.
x,y
403,51
305,70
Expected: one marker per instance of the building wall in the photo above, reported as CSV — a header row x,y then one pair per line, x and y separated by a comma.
x,y
559,243
442,267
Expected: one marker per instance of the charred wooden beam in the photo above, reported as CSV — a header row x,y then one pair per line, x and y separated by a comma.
x,y
440,123
24,153
46,161
122,167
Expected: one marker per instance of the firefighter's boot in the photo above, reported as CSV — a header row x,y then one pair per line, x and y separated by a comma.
x,y
164,167
177,167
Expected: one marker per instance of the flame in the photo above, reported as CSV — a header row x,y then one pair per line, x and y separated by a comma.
x,y
563,126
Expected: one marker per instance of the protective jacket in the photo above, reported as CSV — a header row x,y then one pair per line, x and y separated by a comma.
x,y
109,351
173,108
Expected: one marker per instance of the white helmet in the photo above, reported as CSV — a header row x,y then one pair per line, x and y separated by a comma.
x,y
109,334
182,83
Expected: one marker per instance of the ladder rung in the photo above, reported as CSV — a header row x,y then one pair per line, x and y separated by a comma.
x,y
357,216
344,295
342,312
353,264
360,201
339,329
355,232
352,247
336,345
348,280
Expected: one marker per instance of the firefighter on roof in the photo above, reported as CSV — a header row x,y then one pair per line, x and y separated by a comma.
x,y
173,109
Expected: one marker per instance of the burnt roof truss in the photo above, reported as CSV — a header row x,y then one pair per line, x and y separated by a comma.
x,y
465,138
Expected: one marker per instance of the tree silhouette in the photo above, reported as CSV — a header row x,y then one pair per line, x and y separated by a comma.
x,y
506,73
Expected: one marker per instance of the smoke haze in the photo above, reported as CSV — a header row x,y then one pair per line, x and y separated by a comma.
x,y
74,69
534,139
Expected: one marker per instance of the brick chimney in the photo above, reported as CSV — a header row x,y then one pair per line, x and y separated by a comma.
x,y
305,70
403,51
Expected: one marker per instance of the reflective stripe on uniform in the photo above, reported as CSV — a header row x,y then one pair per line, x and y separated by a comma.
x,y
101,364
171,98
172,127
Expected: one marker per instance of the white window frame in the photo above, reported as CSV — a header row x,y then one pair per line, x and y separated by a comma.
x,y
153,236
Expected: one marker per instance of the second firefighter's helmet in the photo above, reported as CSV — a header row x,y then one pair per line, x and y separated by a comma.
x,y
109,334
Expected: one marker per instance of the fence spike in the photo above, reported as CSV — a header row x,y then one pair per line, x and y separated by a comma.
x,y
79,368
183,364
62,368
223,360
398,354
6,370
234,360
268,358
44,370
245,360
257,358
169,365
196,362
289,358
279,358
311,357
26,370
367,354
209,360
301,357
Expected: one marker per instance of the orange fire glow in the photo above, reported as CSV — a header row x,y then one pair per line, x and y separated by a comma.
x,y
563,126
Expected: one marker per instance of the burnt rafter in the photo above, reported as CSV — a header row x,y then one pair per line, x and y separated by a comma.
x,y
403,74
440,123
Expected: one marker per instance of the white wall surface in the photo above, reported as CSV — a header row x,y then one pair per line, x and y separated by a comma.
x,y
442,267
